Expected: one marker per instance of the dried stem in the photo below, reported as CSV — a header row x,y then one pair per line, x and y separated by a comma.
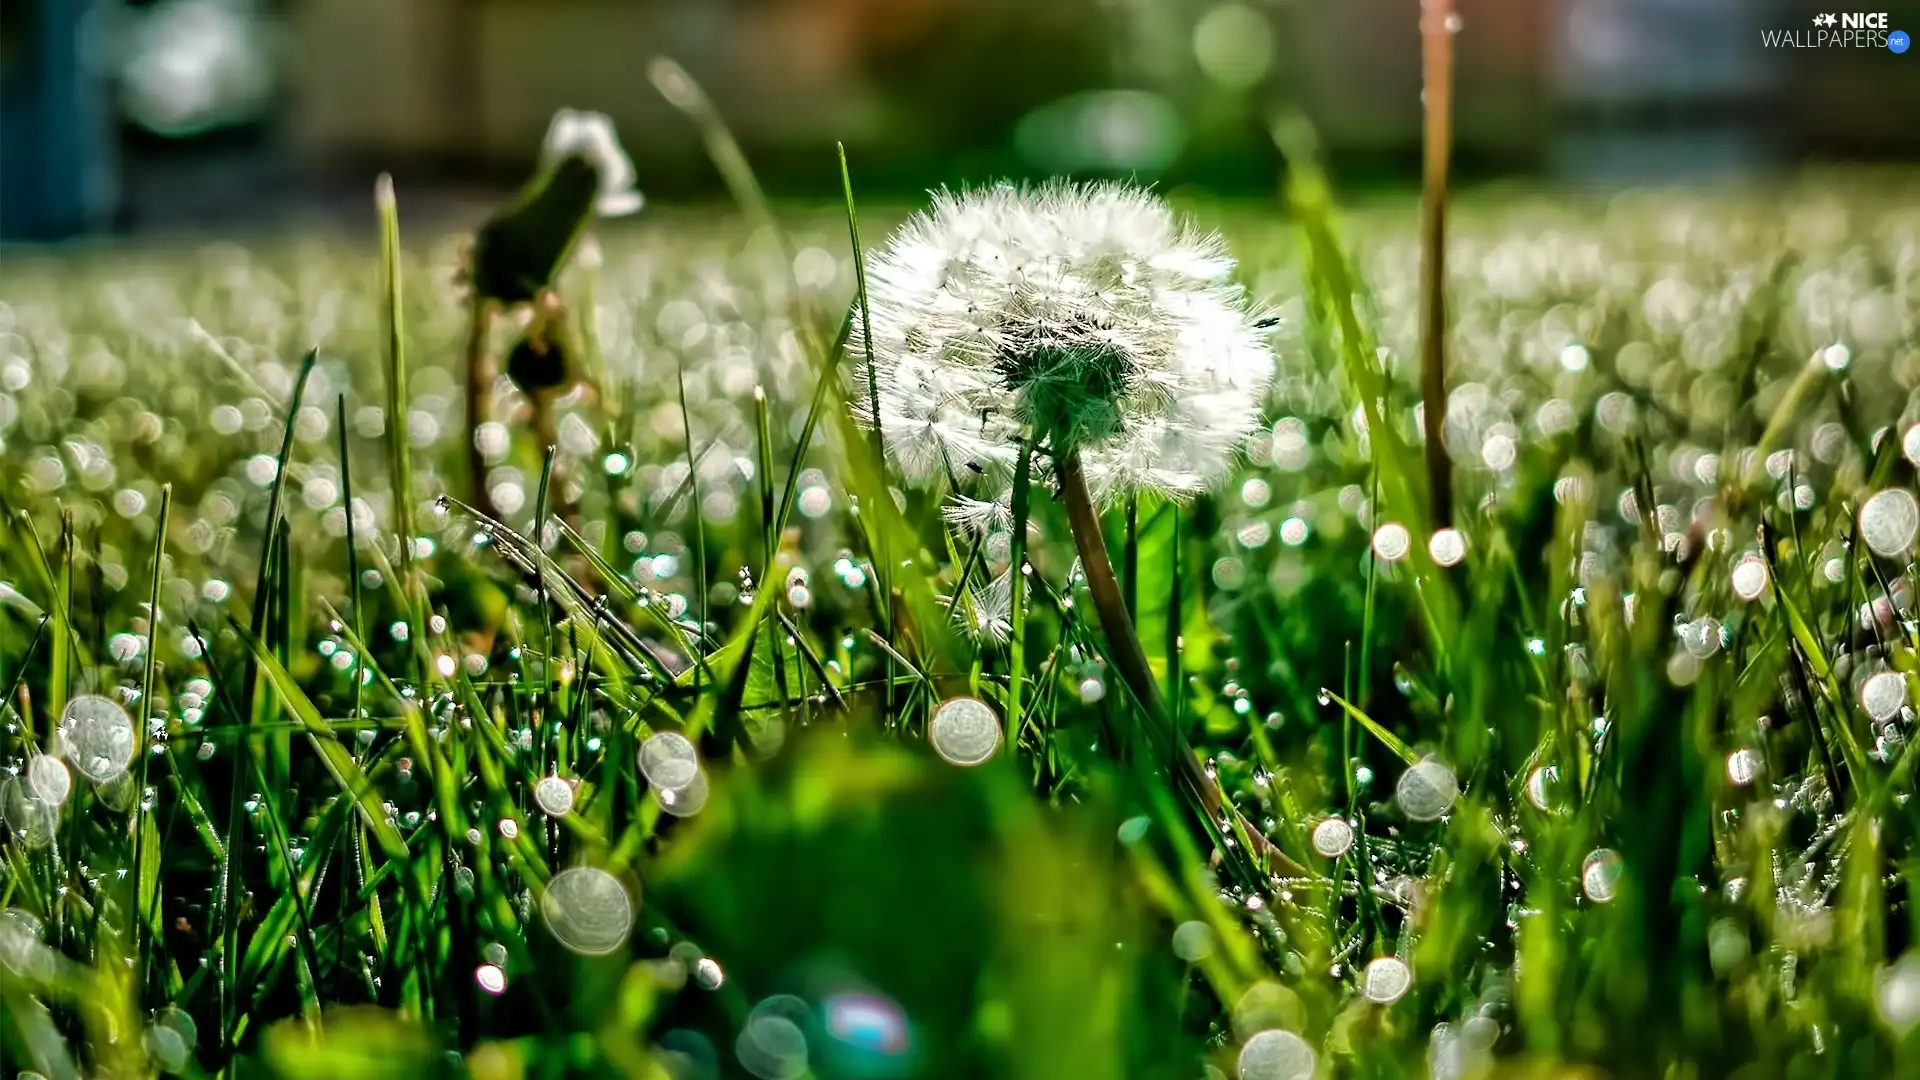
x,y
1123,648
1436,36
479,400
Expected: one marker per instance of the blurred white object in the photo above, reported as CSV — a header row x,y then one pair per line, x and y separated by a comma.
x,y
188,66
591,133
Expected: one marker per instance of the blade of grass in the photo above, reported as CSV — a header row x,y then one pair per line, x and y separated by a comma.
x,y
146,842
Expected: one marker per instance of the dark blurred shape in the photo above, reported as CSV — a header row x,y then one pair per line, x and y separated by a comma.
x,y
57,161
517,251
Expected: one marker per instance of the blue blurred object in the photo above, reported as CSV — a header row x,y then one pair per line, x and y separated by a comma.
x,y
58,163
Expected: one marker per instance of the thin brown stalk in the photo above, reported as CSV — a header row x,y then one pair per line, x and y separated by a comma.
x,y
1436,52
479,400
1123,648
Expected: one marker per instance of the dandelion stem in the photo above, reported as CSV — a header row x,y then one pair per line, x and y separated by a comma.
x,y
479,400
1123,648
1436,33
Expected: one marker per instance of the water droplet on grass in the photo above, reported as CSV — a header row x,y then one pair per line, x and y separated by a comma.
x,y
1448,547
1883,694
1426,790
1275,1055
554,796
1896,994
587,910
1193,941
669,760
1750,577
1333,837
1600,875
1392,541
707,973
47,778
491,978
964,731
1743,765
686,801
1386,980
1888,522
96,736
772,1045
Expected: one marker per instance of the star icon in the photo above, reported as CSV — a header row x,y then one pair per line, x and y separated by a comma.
x,y
1825,20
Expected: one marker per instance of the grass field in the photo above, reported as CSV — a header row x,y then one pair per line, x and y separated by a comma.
x,y
313,772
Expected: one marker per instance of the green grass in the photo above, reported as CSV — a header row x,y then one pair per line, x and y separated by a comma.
x,y
1681,846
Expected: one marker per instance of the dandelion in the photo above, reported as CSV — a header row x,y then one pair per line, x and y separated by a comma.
x,y
591,135
1089,314
1085,322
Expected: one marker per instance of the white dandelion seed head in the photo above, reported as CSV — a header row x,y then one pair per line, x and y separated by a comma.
x,y
1088,311
574,131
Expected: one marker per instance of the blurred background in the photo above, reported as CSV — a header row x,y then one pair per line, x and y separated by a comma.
x,y
185,114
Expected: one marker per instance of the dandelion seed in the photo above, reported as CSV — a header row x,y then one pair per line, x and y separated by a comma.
x,y
1088,312
980,518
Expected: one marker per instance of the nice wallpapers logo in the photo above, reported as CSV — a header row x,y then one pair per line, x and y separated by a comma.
x,y
1846,30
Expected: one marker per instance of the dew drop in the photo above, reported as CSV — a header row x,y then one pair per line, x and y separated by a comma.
x,y
1391,541
1888,522
1448,547
669,760
964,731
685,801
1333,837
491,978
554,796
47,778
1275,1055
1426,790
96,737
1750,577
587,910
1600,875
1883,694
1386,980
1193,941
707,974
